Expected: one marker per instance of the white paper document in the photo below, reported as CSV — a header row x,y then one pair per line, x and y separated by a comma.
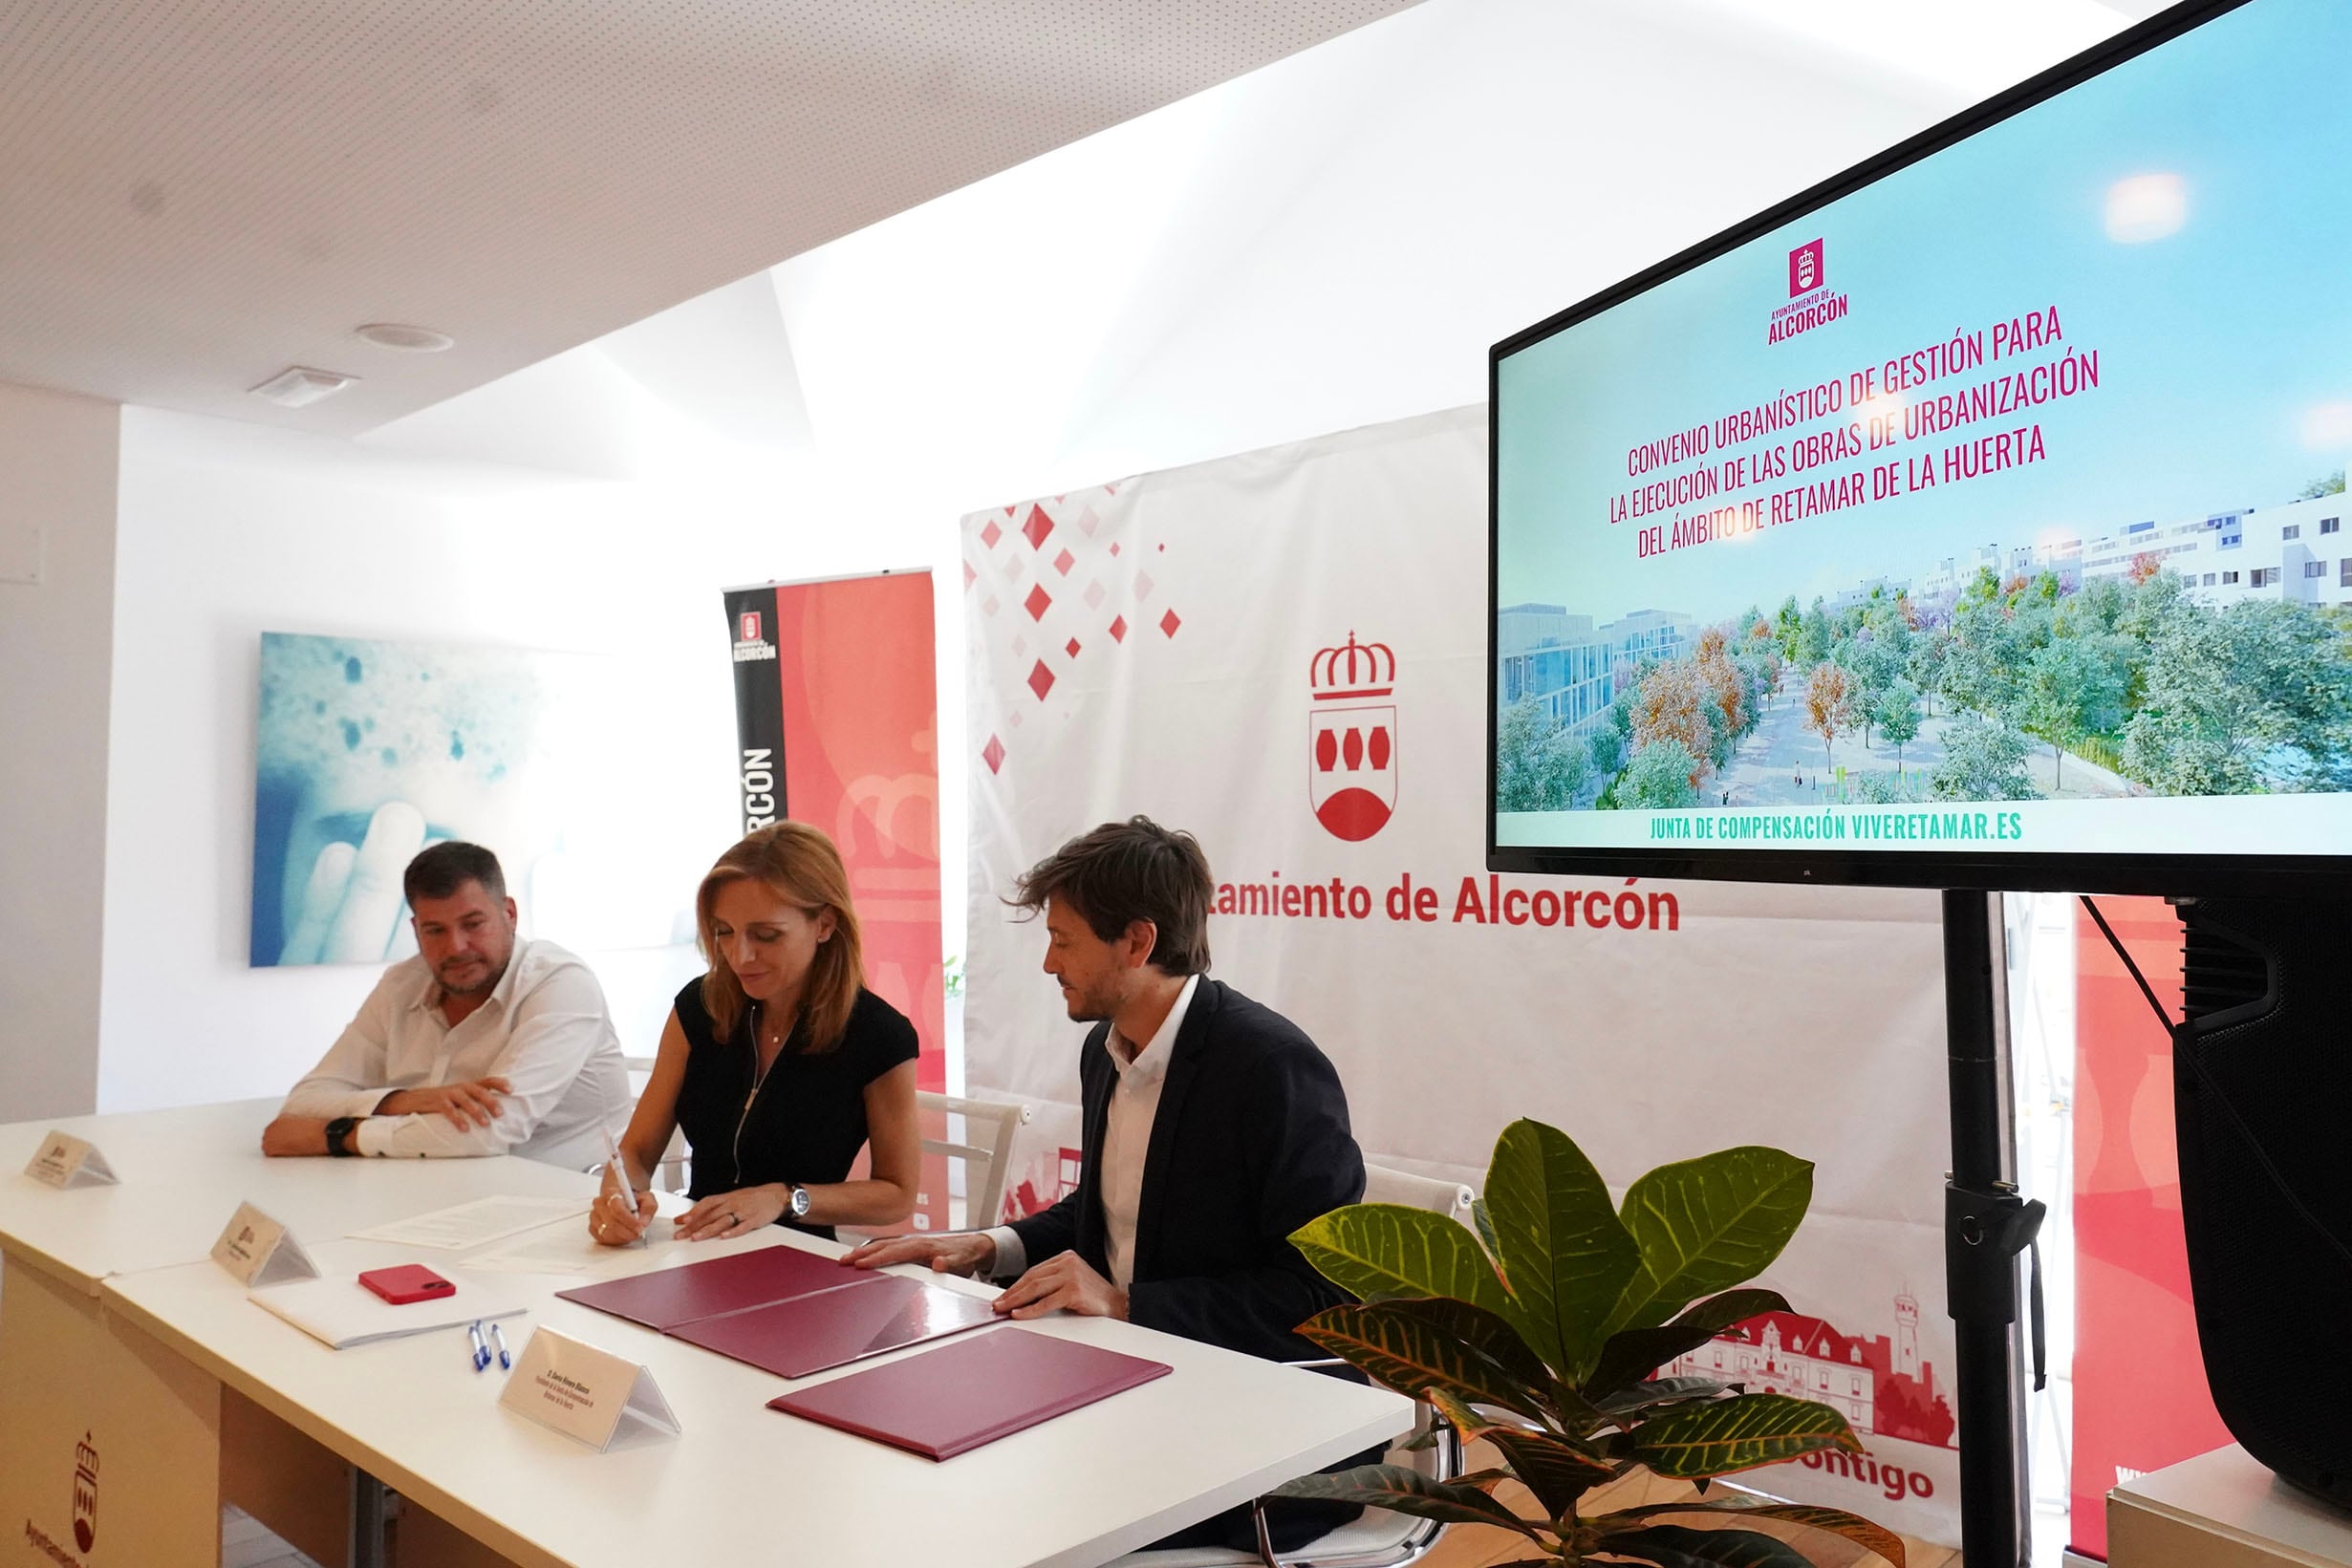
x,y
341,1312
477,1223
566,1248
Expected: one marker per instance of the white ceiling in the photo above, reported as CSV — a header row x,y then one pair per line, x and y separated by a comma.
x,y
195,194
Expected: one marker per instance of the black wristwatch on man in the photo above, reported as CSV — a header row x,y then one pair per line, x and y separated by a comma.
x,y
339,1137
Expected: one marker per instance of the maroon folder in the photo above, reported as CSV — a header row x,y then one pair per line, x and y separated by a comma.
x,y
949,1400
810,1333
667,1297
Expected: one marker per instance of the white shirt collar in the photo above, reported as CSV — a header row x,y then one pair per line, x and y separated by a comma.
x,y
1151,1063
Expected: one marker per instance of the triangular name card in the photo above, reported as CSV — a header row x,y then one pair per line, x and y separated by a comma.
x,y
259,1251
582,1391
64,1160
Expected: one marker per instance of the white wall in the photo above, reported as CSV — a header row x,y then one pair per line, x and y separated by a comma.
x,y
229,531
1328,242
58,461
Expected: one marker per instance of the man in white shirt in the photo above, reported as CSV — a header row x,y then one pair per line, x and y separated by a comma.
x,y
480,1045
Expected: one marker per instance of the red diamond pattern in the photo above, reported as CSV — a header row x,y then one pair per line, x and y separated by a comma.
x,y
990,534
1063,562
1143,585
1094,596
1041,680
969,575
1038,602
1035,529
1070,648
1114,549
1118,629
993,754
1169,623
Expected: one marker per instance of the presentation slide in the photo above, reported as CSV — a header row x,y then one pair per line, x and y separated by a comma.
x,y
1997,507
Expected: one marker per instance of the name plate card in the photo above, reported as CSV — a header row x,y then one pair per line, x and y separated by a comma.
x,y
582,1391
64,1160
259,1251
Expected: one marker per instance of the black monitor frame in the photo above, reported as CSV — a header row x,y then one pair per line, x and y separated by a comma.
x,y
2217,875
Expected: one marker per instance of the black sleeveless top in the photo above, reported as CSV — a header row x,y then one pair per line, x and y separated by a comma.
x,y
807,1120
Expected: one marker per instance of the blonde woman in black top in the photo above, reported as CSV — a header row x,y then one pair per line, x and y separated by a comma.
x,y
778,1063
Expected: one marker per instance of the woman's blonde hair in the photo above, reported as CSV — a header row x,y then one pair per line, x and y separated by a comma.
x,y
799,864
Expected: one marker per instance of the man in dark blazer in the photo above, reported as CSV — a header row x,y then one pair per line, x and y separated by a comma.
x,y
1213,1125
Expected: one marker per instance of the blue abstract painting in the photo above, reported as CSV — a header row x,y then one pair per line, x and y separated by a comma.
x,y
566,765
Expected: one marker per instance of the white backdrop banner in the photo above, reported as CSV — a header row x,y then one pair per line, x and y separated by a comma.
x,y
1285,652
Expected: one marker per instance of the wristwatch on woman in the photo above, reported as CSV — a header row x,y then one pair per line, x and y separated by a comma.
x,y
338,1135
798,1207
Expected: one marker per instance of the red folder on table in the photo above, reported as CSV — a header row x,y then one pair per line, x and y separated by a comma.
x,y
667,1297
875,1313
957,1398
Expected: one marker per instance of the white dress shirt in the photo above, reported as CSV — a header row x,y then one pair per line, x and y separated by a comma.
x,y
1126,1141
544,1029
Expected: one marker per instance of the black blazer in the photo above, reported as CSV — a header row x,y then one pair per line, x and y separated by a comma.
x,y
1249,1143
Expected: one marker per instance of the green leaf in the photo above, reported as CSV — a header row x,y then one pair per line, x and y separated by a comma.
x,y
1834,1520
1409,1351
1403,1491
1735,1435
1633,1354
1564,1252
1378,1250
1706,1225
1637,1397
1557,1473
1489,1333
1482,1221
1673,1546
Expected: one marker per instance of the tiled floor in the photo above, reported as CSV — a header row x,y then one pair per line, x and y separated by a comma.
x,y
245,1543
1476,1546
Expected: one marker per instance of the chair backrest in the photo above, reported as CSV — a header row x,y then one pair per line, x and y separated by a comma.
x,y
979,1133
1451,1199
671,1174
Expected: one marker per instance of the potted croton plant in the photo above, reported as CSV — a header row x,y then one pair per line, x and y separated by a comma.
x,y
1543,1332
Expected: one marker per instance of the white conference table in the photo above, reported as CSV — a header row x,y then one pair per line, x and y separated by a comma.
x,y
740,1483
181,1174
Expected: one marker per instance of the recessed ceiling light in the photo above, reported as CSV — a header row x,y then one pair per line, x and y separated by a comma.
x,y
391,334
298,386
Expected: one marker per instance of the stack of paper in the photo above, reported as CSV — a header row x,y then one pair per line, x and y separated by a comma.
x,y
475,1224
342,1312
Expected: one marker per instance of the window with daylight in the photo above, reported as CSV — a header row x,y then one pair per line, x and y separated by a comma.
x,y
2315,569
2265,576
2344,572
2228,579
2329,525
2293,530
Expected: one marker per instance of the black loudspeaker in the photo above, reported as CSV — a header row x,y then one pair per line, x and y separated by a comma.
x,y
2262,1091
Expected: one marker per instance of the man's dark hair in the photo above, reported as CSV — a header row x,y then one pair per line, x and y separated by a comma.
x,y
441,870
1124,872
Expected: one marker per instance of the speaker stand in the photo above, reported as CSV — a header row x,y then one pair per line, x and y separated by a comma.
x,y
1986,1223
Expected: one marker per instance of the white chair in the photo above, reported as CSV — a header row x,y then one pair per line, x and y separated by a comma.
x,y
976,1135
1377,1539
670,1172
976,1139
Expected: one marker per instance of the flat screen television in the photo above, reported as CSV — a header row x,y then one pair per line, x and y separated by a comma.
x,y
1975,519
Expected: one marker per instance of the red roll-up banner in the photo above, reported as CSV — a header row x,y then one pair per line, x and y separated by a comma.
x,y
836,710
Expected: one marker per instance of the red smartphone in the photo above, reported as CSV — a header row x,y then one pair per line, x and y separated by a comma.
x,y
409,1282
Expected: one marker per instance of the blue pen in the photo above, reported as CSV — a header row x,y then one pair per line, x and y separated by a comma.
x,y
482,1352
505,1361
